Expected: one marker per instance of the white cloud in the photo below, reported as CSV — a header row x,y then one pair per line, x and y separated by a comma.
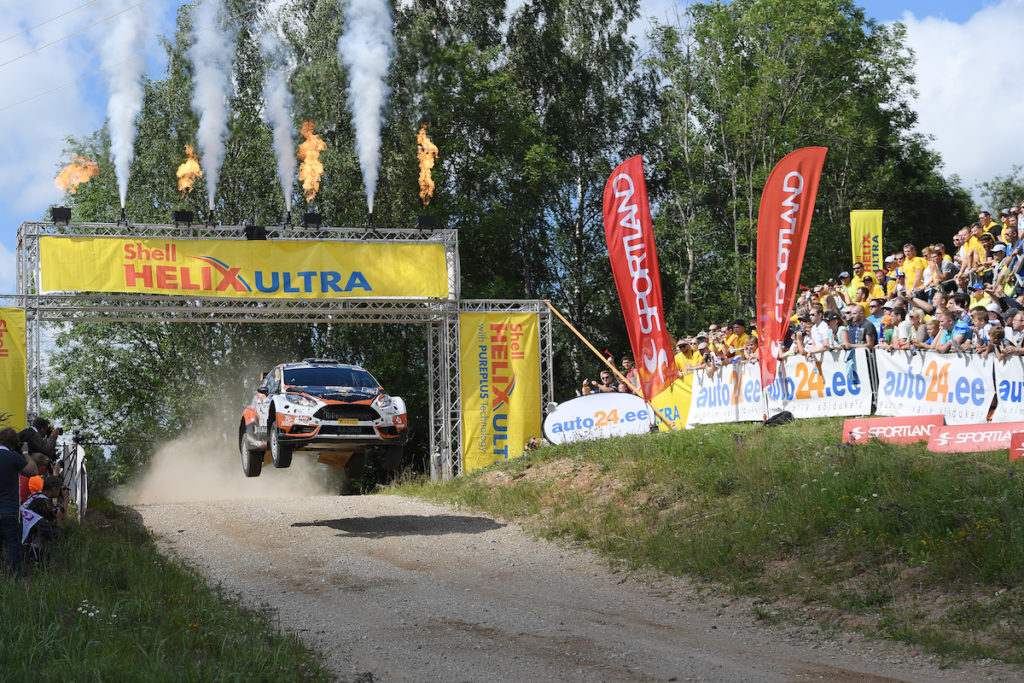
x,y
8,270
968,78
33,136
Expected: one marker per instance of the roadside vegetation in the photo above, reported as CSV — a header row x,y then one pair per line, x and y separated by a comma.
x,y
109,607
919,547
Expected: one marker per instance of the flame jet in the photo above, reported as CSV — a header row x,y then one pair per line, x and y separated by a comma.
x,y
80,170
188,172
426,152
312,168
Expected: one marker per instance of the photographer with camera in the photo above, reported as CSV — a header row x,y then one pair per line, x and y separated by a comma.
x,y
41,437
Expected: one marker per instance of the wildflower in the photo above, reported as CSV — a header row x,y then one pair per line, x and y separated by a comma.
x,y
874,495
857,510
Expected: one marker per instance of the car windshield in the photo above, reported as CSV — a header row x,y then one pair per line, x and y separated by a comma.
x,y
330,377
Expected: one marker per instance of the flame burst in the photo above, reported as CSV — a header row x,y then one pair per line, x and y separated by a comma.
x,y
79,171
311,168
188,172
426,153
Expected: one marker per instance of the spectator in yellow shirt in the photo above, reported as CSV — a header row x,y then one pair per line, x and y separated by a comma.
x,y
913,267
737,341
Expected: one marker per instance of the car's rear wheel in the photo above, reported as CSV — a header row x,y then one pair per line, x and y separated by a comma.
x,y
252,460
279,452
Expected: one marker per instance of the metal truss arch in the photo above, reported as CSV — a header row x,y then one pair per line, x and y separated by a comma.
x,y
440,315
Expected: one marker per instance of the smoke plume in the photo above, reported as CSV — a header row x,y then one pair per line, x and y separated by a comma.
x,y
124,61
366,48
278,98
212,53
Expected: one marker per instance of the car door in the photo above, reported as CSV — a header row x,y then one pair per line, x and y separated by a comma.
x,y
264,398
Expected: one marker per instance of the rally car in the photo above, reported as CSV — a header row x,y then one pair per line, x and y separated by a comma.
x,y
320,405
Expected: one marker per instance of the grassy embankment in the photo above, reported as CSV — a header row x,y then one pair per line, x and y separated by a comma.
x,y
919,547
109,607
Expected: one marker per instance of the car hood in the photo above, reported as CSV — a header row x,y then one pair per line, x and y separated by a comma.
x,y
348,394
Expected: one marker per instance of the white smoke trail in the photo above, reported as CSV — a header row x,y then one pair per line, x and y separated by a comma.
x,y
124,59
212,53
366,48
277,96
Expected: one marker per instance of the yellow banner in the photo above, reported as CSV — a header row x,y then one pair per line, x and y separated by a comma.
x,y
674,403
12,368
272,269
500,386
866,238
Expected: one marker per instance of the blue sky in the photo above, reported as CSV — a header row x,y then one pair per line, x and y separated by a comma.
x,y
964,71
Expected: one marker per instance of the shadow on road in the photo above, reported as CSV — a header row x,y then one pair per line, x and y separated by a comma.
x,y
407,525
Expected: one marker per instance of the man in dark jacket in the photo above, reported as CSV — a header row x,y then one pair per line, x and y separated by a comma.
x,y
41,438
12,463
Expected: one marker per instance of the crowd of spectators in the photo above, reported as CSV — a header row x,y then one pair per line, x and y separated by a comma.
x,y
33,497
967,300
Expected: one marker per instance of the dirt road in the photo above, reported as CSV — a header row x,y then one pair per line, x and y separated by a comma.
x,y
415,592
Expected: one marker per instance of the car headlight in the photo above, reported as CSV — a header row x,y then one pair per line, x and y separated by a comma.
x,y
383,401
300,400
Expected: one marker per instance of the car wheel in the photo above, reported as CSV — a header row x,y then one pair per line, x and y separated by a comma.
x,y
391,458
252,460
280,453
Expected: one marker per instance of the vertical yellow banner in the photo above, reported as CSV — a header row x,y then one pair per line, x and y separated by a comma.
x,y
674,403
500,385
866,238
12,368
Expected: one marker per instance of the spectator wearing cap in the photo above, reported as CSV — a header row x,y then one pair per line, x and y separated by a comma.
x,y
979,296
846,284
736,342
835,328
874,289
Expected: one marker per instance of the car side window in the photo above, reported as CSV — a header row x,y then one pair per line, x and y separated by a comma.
x,y
272,382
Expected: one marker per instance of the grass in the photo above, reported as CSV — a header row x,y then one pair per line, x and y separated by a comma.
x,y
923,547
108,606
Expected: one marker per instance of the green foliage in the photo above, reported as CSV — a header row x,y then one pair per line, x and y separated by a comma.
x,y
108,606
1004,191
786,511
531,109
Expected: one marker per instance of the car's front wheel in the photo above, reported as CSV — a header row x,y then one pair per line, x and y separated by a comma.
x,y
252,460
279,452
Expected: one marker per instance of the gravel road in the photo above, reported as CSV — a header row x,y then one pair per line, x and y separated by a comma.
x,y
410,591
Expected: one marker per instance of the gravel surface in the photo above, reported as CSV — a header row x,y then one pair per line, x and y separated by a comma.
x,y
410,591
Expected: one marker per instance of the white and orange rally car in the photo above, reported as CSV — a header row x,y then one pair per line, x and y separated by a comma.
x,y
319,405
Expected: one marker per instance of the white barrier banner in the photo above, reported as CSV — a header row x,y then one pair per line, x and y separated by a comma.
x,y
1009,380
731,394
598,416
829,385
958,387
835,383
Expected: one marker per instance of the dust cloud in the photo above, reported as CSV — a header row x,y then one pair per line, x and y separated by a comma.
x,y
206,466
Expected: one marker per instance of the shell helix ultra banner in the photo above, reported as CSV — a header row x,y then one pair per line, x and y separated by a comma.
x,y
500,386
12,368
272,269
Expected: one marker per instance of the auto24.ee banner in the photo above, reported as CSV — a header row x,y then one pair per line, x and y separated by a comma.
x,y
838,383
258,269
958,387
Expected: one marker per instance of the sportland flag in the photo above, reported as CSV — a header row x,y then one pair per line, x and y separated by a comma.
x,y
783,222
630,235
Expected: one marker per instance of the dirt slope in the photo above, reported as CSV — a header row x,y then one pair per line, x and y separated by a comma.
x,y
410,591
